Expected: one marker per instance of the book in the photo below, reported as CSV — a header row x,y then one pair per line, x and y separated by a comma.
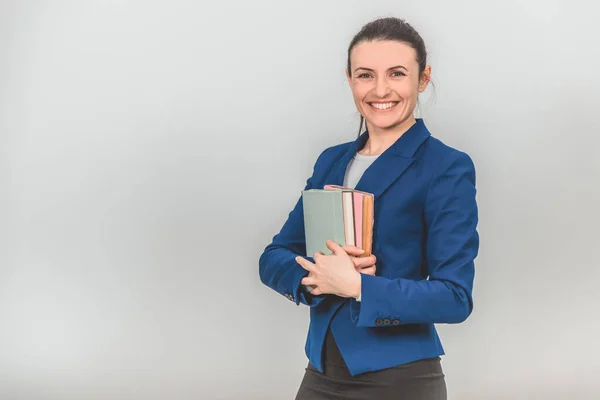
x,y
323,219
363,215
340,214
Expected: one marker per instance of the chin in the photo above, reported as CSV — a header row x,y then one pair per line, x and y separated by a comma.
x,y
385,123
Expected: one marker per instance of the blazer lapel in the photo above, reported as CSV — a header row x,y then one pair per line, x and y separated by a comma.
x,y
388,167
382,173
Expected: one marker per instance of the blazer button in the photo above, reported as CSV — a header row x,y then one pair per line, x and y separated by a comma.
x,y
395,322
379,321
386,321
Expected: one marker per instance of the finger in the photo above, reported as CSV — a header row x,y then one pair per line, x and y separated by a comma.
x,y
353,250
363,262
365,254
316,291
304,263
370,266
335,248
317,255
309,281
368,270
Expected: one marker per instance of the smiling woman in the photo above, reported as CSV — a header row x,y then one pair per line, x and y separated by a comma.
x,y
371,332
387,69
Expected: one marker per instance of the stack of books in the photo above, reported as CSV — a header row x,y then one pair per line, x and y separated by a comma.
x,y
340,214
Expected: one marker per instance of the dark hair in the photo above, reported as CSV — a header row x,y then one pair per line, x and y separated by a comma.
x,y
390,28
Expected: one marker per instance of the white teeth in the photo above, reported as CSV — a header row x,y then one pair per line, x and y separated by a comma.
x,y
383,106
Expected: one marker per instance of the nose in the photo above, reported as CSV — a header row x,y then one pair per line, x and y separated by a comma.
x,y
382,88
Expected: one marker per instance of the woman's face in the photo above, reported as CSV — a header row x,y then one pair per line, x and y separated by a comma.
x,y
385,82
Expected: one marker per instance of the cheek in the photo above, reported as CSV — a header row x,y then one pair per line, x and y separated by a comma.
x,y
407,90
359,91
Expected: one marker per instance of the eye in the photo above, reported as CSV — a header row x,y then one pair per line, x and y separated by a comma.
x,y
364,75
398,73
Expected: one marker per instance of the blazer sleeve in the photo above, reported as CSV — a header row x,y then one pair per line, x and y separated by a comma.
x,y
278,268
452,244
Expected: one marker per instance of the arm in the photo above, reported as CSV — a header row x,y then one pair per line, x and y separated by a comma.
x,y
452,244
278,268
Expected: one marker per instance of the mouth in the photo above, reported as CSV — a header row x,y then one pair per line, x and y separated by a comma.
x,y
383,107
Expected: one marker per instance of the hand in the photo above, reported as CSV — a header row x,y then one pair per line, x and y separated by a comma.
x,y
332,274
364,265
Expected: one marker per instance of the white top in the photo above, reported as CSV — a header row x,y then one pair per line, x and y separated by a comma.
x,y
354,172
356,168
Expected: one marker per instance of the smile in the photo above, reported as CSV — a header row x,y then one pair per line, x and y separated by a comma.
x,y
383,106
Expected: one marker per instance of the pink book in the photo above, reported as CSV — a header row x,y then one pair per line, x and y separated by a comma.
x,y
358,211
358,217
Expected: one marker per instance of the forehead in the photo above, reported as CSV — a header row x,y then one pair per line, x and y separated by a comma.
x,y
383,54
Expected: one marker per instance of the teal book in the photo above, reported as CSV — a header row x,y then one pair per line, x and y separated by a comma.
x,y
323,219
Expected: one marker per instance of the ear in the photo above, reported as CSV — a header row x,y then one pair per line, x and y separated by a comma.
x,y
348,77
425,78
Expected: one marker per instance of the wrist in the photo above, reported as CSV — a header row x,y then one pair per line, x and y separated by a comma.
x,y
357,286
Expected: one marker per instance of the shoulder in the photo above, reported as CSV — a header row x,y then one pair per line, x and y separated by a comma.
x,y
441,157
334,152
331,154
326,161
451,183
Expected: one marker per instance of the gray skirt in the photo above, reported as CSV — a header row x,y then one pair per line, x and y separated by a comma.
x,y
419,380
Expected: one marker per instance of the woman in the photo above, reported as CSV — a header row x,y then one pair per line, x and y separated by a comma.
x,y
371,333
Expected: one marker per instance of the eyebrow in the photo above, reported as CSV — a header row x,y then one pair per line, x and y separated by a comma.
x,y
369,69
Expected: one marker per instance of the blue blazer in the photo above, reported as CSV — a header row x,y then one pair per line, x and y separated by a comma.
x,y
424,238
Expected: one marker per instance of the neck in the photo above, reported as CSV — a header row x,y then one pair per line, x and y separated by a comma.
x,y
380,139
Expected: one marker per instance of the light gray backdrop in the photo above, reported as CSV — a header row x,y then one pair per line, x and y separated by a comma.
x,y
150,150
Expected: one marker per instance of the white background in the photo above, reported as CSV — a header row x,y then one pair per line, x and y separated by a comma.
x,y
135,134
